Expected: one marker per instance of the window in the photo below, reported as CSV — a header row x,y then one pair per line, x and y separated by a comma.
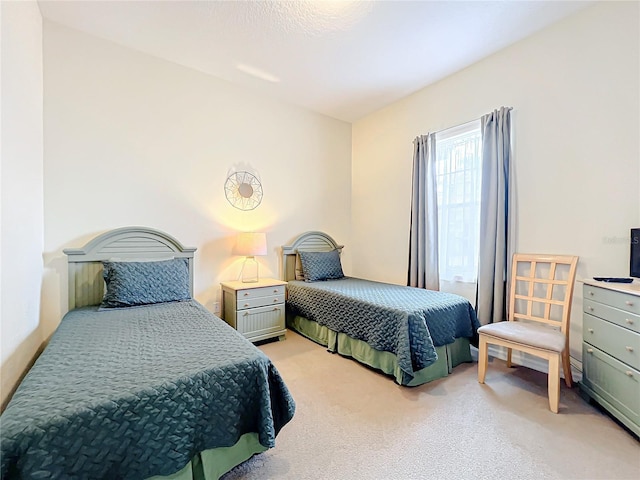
x,y
458,177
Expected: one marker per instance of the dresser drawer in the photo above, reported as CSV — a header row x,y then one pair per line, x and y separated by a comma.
x,y
615,382
619,317
618,342
259,322
250,293
621,300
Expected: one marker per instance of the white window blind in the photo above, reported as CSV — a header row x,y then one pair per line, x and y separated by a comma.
x,y
458,177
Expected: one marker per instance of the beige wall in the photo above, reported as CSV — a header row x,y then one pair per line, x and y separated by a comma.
x,y
21,220
574,88
134,140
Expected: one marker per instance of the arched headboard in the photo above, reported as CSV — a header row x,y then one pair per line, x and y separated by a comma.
x,y
86,285
307,242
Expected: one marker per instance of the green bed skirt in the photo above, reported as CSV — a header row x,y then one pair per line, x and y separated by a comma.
x,y
212,464
449,355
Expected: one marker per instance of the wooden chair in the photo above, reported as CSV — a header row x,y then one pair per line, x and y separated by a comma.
x,y
529,317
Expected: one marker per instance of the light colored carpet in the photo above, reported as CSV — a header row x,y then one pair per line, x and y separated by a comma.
x,y
353,423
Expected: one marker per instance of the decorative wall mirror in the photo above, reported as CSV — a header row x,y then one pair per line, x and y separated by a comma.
x,y
243,190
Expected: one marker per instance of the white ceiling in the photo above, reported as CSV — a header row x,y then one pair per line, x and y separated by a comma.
x,y
344,59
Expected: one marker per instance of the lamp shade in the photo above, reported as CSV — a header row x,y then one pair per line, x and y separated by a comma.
x,y
251,243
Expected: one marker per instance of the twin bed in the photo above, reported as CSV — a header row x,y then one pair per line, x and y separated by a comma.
x,y
412,334
143,383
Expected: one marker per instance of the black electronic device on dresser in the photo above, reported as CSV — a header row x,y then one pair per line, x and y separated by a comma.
x,y
634,263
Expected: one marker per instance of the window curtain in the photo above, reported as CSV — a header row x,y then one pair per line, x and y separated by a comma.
x,y
496,217
423,237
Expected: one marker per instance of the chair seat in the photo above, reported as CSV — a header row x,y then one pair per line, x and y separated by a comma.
x,y
534,335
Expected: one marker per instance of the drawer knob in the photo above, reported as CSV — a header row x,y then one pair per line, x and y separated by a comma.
x,y
629,302
590,308
589,350
629,349
591,293
590,330
246,294
276,309
629,321
275,290
246,304
629,373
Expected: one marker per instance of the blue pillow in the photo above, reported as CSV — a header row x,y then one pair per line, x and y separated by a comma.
x,y
318,266
131,284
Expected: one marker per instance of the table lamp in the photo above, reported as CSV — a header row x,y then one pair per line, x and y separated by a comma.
x,y
250,244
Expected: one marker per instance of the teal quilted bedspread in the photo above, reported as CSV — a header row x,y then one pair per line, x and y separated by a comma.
x,y
137,392
409,322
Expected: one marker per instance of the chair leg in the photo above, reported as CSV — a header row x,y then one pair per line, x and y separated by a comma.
x,y
566,366
483,358
554,383
509,350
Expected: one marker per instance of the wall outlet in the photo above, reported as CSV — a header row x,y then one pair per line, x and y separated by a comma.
x,y
216,307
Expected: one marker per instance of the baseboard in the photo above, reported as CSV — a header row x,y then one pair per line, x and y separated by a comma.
x,y
530,361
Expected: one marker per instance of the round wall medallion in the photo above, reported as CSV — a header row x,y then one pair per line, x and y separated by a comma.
x,y
243,190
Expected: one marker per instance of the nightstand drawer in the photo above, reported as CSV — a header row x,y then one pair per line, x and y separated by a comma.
x,y
250,293
616,383
615,315
261,321
619,342
623,301
244,303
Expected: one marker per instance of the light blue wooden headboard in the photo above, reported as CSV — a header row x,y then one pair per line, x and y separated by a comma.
x,y
307,242
86,285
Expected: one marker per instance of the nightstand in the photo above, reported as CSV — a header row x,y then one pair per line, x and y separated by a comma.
x,y
255,309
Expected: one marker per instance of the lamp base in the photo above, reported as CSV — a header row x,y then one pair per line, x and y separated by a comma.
x,y
250,270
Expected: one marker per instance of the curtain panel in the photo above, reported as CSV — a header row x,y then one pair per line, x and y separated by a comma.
x,y
497,209
423,236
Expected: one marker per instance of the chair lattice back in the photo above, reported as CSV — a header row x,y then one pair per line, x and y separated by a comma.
x,y
542,284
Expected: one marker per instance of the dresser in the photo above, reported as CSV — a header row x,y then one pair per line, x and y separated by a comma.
x,y
611,348
255,309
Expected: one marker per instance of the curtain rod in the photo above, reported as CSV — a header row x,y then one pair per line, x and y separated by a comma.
x,y
460,125
465,123
470,121
449,128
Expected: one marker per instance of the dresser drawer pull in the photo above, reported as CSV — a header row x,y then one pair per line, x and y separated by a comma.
x,y
629,349
246,304
590,308
275,290
591,292
590,330
589,350
276,309
246,294
629,321
629,373
628,302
